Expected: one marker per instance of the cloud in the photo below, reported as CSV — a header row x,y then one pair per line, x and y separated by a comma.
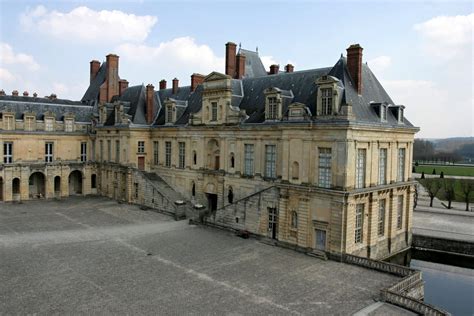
x,y
379,64
447,37
6,76
268,61
9,57
88,25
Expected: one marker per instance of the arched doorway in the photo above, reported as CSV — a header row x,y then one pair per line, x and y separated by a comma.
x,y
213,155
57,186
75,183
16,189
37,185
1,189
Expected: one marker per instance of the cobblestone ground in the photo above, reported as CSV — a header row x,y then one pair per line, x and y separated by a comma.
x,y
95,256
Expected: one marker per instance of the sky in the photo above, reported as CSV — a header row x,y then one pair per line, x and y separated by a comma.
x,y
421,51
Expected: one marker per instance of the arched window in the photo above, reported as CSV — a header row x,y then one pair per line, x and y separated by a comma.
x,y
232,160
295,171
230,196
194,158
193,190
294,219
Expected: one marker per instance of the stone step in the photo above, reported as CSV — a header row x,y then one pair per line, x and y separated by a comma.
x,y
318,254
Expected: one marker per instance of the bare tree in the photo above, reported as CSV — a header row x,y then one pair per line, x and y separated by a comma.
x,y
467,186
448,187
432,186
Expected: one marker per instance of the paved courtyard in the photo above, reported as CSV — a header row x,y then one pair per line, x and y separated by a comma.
x,y
95,256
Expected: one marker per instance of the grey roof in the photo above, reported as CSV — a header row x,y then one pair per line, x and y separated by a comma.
x,y
253,64
92,92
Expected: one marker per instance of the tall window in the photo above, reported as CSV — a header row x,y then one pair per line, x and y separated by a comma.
x,y
48,152
8,152
325,157
141,147
383,112
169,114
294,219
117,151
400,115
401,165
49,124
214,111
182,154
109,150
29,123
83,152
272,108
9,122
399,211
101,150
270,161
359,223
360,168
155,153
69,126
383,166
326,101
168,154
248,159
381,223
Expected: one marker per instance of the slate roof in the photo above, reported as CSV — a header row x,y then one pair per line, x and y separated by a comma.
x,y
253,64
92,92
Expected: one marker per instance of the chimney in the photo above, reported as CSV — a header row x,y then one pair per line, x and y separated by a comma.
x,y
95,66
274,69
162,84
289,68
240,66
15,93
175,85
25,93
53,96
196,79
2,92
150,94
230,60
354,65
35,95
112,76
123,84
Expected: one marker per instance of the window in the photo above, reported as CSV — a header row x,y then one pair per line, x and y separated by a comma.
x,y
169,114
381,226
270,161
29,123
325,157
48,152
383,112
232,161
359,223
49,124
168,154
141,147
182,154
214,111
400,115
117,151
9,122
294,219
69,126
399,211
360,168
101,150
155,153
109,150
193,190
248,153
230,195
194,158
401,165
383,166
8,152
83,152
326,101
272,108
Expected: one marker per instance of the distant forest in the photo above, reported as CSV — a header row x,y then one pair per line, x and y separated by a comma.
x,y
449,150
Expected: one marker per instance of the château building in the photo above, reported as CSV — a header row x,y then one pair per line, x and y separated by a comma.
x,y
316,159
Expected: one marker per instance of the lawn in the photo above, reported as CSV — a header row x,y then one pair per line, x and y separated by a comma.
x,y
447,170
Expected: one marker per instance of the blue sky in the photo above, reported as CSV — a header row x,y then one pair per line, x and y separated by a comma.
x,y
420,51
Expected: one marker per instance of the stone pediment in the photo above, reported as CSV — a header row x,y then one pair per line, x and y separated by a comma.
x,y
214,76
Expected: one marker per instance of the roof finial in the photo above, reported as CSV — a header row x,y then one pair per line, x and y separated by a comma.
x,y
341,55
256,49
240,45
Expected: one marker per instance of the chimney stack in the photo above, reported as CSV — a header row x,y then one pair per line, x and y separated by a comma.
x,y
196,79
15,93
53,96
150,95
162,84
354,65
123,85
289,68
112,76
240,66
95,66
230,59
2,92
25,93
175,85
274,69
35,95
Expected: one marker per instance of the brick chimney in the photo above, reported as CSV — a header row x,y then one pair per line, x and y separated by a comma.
x,y
95,66
123,84
162,84
25,93
230,59
240,73
2,92
175,85
274,69
15,93
354,65
289,68
112,76
150,95
35,95
196,79
53,96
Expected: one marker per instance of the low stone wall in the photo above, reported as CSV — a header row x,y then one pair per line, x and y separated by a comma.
x,y
442,244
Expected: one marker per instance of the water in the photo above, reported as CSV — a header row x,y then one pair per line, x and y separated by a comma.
x,y
449,280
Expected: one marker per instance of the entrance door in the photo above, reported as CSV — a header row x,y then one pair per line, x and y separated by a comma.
x,y
321,239
212,202
141,163
273,222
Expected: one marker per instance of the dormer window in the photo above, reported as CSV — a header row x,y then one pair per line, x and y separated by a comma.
x,y
272,108
29,123
9,122
273,103
326,101
214,111
383,112
400,115
69,125
49,124
169,114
